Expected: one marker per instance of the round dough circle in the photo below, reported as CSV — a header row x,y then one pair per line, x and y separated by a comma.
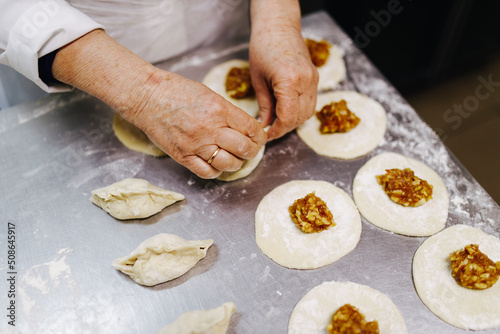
x,y
458,306
313,312
133,138
281,240
355,143
380,210
245,170
215,79
333,71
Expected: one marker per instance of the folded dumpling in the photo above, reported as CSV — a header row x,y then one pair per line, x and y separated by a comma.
x,y
133,199
162,258
213,321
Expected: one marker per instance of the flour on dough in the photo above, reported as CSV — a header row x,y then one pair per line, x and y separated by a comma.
x,y
281,240
461,307
133,199
213,321
380,210
162,258
215,79
133,138
313,312
366,136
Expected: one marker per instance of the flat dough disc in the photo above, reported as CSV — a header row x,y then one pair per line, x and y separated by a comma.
x,y
355,143
313,312
281,240
380,210
133,138
216,81
245,170
458,306
333,71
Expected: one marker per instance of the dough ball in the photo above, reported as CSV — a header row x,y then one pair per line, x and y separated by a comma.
x,y
281,240
162,258
461,307
348,145
313,312
133,199
133,138
381,211
216,81
213,321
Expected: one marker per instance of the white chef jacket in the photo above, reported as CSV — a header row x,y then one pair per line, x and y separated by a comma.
x,y
153,29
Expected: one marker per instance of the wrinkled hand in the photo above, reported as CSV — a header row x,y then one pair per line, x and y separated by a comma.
x,y
189,122
284,78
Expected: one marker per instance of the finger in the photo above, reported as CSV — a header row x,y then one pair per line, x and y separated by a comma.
x,y
235,143
226,162
287,108
240,121
265,100
219,158
200,167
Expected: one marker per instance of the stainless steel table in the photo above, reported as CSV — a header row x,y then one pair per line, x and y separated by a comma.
x,y
55,151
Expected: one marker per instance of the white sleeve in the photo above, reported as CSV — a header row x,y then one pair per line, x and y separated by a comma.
x,y
30,29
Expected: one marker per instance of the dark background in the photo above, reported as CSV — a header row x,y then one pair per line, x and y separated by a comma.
x,y
422,44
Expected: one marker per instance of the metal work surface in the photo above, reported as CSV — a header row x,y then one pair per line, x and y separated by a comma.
x,y
55,151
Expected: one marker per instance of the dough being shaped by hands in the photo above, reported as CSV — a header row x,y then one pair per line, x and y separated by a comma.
x,y
162,258
133,138
215,79
245,170
348,145
213,321
281,240
380,210
313,312
461,307
133,199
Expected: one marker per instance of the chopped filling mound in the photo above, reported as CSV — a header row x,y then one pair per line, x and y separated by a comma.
x,y
472,269
348,320
404,188
319,51
239,83
336,117
311,214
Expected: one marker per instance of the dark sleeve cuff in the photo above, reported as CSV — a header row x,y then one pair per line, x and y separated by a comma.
x,y
45,69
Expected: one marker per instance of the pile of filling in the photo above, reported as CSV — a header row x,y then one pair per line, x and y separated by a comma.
x,y
336,117
319,51
472,269
239,83
311,214
404,188
348,320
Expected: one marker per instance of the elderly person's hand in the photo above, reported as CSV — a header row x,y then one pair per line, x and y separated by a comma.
x,y
184,118
283,76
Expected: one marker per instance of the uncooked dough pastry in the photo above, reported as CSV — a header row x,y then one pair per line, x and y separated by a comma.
x,y
333,71
133,199
359,141
245,170
281,240
438,290
162,258
313,312
133,138
216,81
380,210
213,321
